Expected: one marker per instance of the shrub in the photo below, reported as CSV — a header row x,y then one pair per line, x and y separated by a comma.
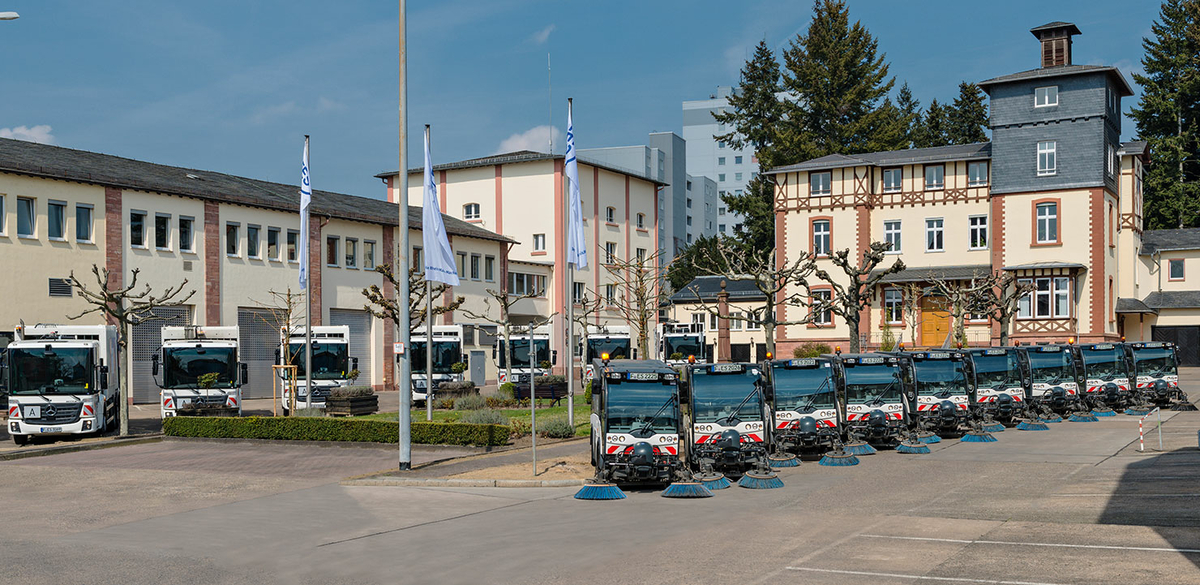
x,y
470,402
887,342
445,403
208,380
334,429
458,368
464,385
547,380
351,392
508,389
498,401
676,356
556,428
353,375
811,349
587,392
545,364
519,427
308,412
484,417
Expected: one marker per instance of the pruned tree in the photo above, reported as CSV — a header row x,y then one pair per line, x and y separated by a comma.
x,y
639,281
504,302
587,307
286,311
911,294
779,281
853,289
388,309
1002,301
126,306
963,297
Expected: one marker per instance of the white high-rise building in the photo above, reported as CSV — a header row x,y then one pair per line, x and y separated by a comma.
x,y
731,169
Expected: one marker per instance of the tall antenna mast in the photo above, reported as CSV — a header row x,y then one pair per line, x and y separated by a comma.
x,y
550,102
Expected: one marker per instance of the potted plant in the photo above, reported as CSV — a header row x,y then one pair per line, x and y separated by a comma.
x,y
351,401
195,408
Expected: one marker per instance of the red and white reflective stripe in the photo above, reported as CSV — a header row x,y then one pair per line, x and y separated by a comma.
x,y
14,411
503,377
87,410
613,449
702,439
232,400
168,403
752,437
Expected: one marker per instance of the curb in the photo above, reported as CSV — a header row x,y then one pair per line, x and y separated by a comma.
x,y
471,483
60,449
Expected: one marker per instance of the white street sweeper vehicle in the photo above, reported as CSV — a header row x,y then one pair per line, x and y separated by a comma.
x,y
1054,380
878,393
681,343
447,348
332,364
729,426
808,411
1106,374
1156,371
522,369
200,372
613,340
944,390
1002,383
62,380
636,422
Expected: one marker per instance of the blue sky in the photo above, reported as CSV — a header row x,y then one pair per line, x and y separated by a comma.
x,y
232,86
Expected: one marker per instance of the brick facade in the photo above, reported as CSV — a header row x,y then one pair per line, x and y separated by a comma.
x,y
212,264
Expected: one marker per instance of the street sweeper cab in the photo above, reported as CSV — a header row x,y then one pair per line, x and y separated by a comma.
x,y
1002,383
1106,374
680,343
1156,371
878,393
944,389
1054,379
807,410
447,348
200,373
522,368
332,365
62,380
613,340
729,419
635,421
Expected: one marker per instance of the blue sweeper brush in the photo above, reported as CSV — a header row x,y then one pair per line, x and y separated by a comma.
x,y
759,480
1137,411
838,458
783,460
858,448
1103,412
713,480
1032,425
928,438
687,489
912,446
600,491
993,427
1082,417
1054,418
977,437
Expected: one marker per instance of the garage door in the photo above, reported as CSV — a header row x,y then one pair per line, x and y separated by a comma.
x,y
359,322
147,340
1186,338
258,333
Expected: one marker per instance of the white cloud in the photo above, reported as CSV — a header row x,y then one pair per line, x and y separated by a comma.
x,y
540,37
40,133
269,113
325,104
535,139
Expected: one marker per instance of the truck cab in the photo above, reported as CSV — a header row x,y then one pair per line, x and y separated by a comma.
x,y
1002,382
447,352
1156,371
681,343
62,380
1106,374
1054,378
636,422
945,392
598,340
730,420
522,369
878,394
807,409
200,371
332,364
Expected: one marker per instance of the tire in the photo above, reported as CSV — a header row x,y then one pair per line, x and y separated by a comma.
x,y
21,440
592,440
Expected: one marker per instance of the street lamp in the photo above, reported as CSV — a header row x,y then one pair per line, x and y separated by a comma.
x,y
9,16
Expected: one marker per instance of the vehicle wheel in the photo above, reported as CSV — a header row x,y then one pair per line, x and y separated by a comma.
x,y
286,412
592,439
21,440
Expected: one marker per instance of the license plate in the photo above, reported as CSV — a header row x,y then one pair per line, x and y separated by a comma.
x,y
32,412
50,429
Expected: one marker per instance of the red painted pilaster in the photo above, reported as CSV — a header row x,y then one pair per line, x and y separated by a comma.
x,y
213,255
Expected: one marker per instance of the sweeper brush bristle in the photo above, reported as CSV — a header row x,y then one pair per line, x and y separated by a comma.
x,y
1032,425
1054,418
838,459
1184,407
1103,412
1136,411
912,448
993,428
929,439
780,461
758,481
686,489
713,481
859,448
600,491
1082,417
977,437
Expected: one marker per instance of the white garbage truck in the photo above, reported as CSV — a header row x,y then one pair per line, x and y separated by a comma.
x,y
200,371
614,340
332,365
62,380
521,368
447,353
679,342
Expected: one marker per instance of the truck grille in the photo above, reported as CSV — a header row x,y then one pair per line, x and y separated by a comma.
x,y
56,414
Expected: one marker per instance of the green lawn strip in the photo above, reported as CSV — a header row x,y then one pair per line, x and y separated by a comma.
x,y
582,412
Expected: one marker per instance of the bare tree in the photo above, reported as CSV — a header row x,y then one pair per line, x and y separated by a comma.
x,y
963,297
286,311
588,306
126,307
505,302
851,296
388,308
911,294
1002,301
772,278
639,282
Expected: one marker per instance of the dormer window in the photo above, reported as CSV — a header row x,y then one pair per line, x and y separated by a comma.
x,y
1045,96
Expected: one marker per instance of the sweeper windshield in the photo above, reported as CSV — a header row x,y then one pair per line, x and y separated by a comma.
x,y
183,366
1051,367
997,369
872,383
633,405
684,345
940,376
1103,361
1155,362
717,394
802,388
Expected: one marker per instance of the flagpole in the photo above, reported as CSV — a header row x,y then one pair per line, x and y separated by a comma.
x,y
570,300
402,295
308,388
428,330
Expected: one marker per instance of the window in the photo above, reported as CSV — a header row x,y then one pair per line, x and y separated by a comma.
x,y
1112,242
26,217
476,259
416,260
1111,158
892,305
331,251
721,177
368,255
539,242
712,321
462,264
720,145
293,243
273,243
1050,299
689,238
935,177
162,232
1041,304
185,234
820,184
56,220
824,317
351,253
1047,158
893,180
489,268
721,211
737,160
977,174
610,293
721,228
83,222
737,176
1045,96
137,229
721,161
689,220
252,241
3,216
735,320
1047,223
1062,296
821,235
1024,310
933,235
978,231
232,242
1175,269
641,221
610,214
891,235
577,292
471,211
688,203
610,252
525,284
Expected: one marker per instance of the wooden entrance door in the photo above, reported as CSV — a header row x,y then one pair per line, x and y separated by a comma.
x,y
935,322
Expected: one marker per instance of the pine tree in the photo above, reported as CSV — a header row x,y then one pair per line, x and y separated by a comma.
x,y
841,78
910,112
968,117
1168,116
934,129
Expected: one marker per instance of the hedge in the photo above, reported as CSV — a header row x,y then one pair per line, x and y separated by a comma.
x,y
334,429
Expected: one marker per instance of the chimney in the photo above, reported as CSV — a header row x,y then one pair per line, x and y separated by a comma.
x,y
1056,42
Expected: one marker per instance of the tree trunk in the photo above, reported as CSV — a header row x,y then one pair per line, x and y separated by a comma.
x,y
123,383
852,323
1004,319
508,352
769,330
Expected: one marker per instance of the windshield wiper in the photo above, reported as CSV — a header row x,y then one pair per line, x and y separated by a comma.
x,y
734,416
641,432
877,400
812,398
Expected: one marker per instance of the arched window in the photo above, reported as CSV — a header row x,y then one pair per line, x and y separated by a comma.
x,y
471,211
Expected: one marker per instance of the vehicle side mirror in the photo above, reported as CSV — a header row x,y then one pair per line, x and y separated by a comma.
x,y
495,351
278,357
353,363
245,373
104,377
554,357
153,365
466,359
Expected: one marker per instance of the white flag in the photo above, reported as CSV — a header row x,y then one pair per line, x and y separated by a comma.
x,y
305,200
577,246
439,258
